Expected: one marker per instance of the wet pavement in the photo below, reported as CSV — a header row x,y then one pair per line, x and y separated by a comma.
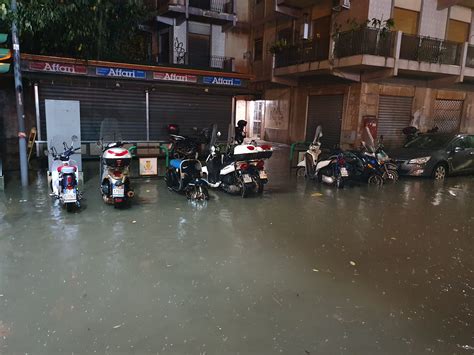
x,y
304,269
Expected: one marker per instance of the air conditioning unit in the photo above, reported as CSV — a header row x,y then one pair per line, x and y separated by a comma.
x,y
338,5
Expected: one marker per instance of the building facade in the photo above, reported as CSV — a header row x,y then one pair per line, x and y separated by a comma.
x,y
345,64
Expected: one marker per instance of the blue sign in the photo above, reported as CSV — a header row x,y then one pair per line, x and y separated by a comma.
x,y
218,80
120,73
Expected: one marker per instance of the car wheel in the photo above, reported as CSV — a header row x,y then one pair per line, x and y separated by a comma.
x,y
440,172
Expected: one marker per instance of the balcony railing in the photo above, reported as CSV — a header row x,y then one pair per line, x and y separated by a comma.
x,y
364,41
225,6
199,61
431,50
220,6
470,57
302,52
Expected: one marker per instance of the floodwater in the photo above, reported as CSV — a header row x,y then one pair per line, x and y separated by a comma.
x,y
304,269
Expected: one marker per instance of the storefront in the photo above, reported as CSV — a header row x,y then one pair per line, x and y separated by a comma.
x,y
143,100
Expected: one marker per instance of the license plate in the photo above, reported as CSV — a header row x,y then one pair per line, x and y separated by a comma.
x,y
263,175
118,191
69,196
344,172
247,178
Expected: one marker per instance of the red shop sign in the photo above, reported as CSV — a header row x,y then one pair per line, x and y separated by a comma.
x,y
58,68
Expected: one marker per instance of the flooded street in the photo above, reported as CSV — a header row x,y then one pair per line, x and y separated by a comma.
x,y
304,269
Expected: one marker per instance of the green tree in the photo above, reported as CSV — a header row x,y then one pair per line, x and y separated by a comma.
x,y
88,29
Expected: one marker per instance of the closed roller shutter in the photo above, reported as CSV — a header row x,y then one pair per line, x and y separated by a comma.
x,y
188,110
447,115
326,111
127,106
394,116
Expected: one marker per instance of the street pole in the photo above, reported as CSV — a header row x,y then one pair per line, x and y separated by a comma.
x,y
19,99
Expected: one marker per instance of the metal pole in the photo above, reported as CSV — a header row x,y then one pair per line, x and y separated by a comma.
x,y
19,101
147,108
38,121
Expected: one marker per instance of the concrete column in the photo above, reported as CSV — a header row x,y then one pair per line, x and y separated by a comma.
x,y
396,52
465,48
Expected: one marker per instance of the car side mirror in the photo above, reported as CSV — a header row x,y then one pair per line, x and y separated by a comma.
x,y
458,149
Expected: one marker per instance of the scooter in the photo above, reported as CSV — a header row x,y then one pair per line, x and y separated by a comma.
x,y
307,167
65,177
115,184
239,170
185,176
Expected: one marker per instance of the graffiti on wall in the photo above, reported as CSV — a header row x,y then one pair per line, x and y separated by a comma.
x,y
277,109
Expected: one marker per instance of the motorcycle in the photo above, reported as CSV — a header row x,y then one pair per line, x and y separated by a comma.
x,y
240,169
64,177
185,147
115,160
333,170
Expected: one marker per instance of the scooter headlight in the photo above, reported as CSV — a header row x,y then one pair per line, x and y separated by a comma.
x,y
419,161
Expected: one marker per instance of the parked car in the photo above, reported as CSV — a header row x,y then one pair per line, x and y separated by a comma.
x,y
436,155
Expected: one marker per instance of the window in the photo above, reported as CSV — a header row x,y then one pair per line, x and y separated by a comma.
x,y
406,20
199,44
258,49
458,31
470,142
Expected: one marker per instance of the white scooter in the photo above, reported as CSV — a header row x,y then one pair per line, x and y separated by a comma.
x,y
240,170
64,177
332,170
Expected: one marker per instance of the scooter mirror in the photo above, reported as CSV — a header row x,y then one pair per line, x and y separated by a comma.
x,y
74,138
46,152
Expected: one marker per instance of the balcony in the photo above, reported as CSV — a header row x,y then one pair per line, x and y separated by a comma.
x,y
372,54
430,50
198,61
366,41
304,51
218,12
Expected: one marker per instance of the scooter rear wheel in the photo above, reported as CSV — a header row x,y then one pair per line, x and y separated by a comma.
x,y
69,207
375,180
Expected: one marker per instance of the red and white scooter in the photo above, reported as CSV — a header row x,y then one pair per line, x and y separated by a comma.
x,y
114,175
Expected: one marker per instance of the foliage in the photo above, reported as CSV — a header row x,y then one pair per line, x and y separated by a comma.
x,y
278,46
89,29
384,26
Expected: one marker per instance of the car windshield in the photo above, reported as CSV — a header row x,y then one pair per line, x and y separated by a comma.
x,y
429,142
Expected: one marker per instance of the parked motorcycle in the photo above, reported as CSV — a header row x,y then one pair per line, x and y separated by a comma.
x,y
239,169
333,170
193,146
64,176
185,176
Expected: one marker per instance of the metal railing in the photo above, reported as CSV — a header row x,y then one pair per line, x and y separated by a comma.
x,y
200,61
470,57
304,51
224,6
431,50
365,41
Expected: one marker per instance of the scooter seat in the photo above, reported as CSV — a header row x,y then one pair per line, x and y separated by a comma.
x,y
175,163
67,169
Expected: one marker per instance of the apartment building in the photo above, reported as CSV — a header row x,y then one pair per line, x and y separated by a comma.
x,y
344,64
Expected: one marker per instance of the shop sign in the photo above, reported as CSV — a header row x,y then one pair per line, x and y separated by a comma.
x,y
218,80
120,73
58,68
184,78
148,166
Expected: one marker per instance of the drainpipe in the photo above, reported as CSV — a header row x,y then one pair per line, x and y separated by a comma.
x,y
38,120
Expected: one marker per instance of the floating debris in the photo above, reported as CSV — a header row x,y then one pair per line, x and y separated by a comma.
x,y
352,263
117,326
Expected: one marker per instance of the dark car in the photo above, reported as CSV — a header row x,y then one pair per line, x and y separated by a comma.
x,y
436,155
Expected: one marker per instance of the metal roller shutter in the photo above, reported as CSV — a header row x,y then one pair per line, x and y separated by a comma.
x,y
188,110
126,105
394,116
326,111
447,115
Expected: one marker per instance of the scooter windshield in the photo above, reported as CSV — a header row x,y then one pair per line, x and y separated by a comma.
x,y
110,131
368,140
318,134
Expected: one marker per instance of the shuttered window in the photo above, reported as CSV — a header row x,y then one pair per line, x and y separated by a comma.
x,y
394,116
447,115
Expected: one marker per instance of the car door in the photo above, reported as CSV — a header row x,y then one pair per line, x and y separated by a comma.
x,y
460,158
470,150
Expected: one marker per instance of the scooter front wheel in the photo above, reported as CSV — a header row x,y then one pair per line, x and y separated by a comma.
x,y
375,180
